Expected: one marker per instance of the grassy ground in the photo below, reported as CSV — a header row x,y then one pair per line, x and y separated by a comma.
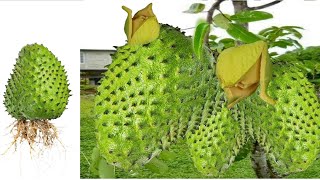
x,y
177,160
87,136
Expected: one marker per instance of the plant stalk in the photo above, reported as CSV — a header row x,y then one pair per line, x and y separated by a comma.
x,y
260,163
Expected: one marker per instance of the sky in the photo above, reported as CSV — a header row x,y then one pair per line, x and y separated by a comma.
x,y
102,21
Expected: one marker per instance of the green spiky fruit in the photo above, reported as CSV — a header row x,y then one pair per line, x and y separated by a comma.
x,y
289,131
38,86
216,134
147,96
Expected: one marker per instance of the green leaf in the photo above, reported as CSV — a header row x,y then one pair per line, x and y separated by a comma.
x,y
195,8
95,158
273,34
199,36
250,16
273,54
95,154
213,37
294,32
216,46
296,43
240,33
228,42
200,20
315,81
268,30
292,27
282,43
244,151
167,155
106,171
157,166
222,20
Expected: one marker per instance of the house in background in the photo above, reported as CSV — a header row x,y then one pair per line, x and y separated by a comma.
x,y
93,62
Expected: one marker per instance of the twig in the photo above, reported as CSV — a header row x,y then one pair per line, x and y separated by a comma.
x,y
265,5
224,15
215,6
188,28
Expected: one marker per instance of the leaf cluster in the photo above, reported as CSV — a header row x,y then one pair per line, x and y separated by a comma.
x,y
281,37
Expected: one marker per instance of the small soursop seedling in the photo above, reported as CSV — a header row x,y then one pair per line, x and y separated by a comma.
x,y
37,92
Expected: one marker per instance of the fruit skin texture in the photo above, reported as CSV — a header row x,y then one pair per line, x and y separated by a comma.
x,y
289,131
216,134
146,98
38,86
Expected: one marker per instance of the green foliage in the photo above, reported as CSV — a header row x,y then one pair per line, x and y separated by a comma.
x,y
99,165
308,60
195,8
106,170
167,155
240,33
311,172
235,30
199,36
282,37
245,151
250,16
222,20
88,87
87,137
222,44
157,166
95,158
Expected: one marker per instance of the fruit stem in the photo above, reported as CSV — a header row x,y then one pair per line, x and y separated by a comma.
x,y
261,164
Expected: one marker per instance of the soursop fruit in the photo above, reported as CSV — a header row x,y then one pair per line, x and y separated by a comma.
x,y
38,86
216,134
147,96
289,131
307,59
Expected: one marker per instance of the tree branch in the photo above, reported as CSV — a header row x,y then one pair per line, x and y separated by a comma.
x,y
260,163
212,9
238,7
265,5
215,6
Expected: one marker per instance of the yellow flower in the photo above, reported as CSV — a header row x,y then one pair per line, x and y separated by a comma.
x,y
143,28
241,69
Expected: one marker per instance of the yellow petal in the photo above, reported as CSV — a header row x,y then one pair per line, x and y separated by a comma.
x,y
236,94
233,63
147,33
147,11
128,24
141,16
245,87
265,76
240,70
143,27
